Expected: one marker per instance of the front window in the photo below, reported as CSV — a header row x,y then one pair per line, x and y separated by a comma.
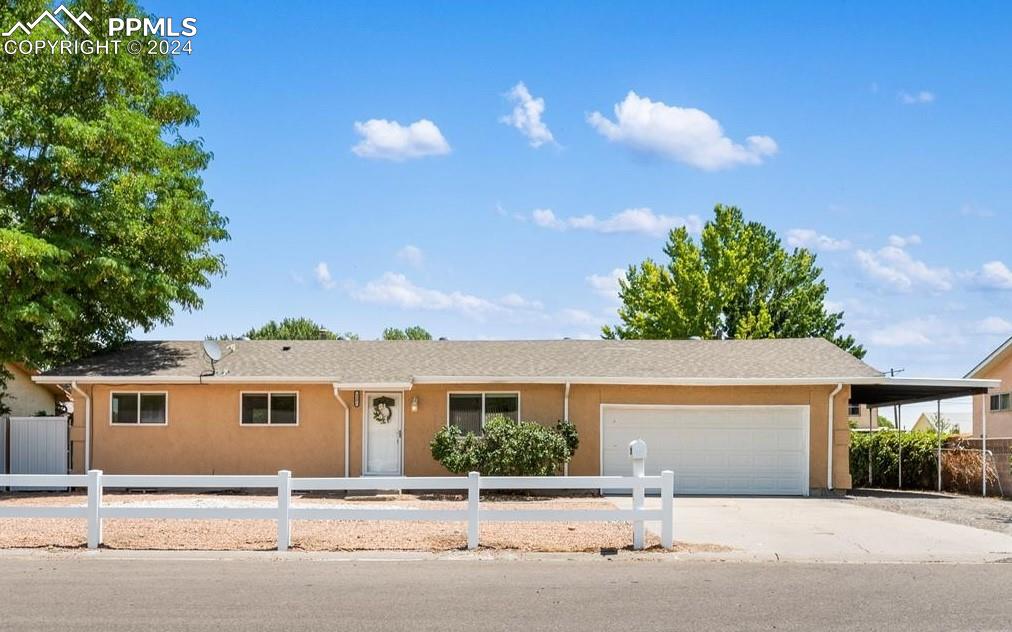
x,y
139,408
468,411
1001,402
854,410
270,409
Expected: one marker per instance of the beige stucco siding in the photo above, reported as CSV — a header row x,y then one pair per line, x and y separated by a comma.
x,y
204,436
585,402
26,398
999,424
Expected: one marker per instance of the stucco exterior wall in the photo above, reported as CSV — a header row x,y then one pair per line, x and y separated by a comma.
x,y
25,398
204,436
999,424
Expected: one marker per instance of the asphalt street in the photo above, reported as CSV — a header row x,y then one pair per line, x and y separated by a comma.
x,y
101,593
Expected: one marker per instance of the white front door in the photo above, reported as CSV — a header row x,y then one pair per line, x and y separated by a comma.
x,y
383,421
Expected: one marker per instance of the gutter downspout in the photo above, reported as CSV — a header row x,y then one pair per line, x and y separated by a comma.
x,y
347,426
87,425
829,443
565,417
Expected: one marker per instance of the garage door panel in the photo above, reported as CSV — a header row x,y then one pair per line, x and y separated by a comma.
x,y
713,449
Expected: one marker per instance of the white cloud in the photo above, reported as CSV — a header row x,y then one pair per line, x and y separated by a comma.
x,y
632,220
968,210
917,332
686,135
902,242
808,238
916,98
322,274
578,317
515,301
607,284
994,325
894,268
396,290
526,116
389,140
545,218
993,275
411,255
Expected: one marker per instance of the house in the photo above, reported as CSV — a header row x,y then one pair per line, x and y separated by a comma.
x,y
729,416
995,406
861,417
958,423
25,398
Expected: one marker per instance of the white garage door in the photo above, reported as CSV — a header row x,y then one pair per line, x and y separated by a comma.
x,y
713,449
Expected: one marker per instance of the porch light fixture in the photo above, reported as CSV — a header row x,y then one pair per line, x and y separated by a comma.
x,y
358,399
414,404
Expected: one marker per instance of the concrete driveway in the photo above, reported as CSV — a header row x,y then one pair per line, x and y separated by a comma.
x,y
823,530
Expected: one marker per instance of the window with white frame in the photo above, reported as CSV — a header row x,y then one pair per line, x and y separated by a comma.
x,y
853,410
139,408
270,409
1001,402
468,411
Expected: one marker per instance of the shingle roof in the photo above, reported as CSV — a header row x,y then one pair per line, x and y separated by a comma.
x,y
404,361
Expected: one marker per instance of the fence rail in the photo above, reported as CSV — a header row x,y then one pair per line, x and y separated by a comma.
x,y
96,482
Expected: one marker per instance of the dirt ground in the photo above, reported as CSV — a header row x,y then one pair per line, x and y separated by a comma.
x,y
993,514
319,535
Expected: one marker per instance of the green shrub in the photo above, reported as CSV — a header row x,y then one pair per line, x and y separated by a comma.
x,y
883,448
506,448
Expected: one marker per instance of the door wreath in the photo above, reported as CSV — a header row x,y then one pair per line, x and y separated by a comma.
x,y
383,409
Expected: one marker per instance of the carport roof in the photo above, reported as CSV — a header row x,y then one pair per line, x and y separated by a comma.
x,y
891,391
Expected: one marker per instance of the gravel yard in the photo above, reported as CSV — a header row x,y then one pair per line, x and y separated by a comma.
x,y
319,535
993,514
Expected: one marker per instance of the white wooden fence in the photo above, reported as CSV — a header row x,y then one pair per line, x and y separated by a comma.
x,y
475,513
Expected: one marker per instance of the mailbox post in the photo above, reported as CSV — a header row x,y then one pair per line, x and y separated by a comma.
x,y
638,454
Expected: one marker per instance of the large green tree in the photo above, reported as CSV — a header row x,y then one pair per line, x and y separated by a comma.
x,y
104,222
295,329
416,332
738,281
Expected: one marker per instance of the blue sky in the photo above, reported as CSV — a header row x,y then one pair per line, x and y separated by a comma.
x,y
877,134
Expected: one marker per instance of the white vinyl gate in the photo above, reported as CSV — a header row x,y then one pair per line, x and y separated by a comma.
x,y
713,449
37,445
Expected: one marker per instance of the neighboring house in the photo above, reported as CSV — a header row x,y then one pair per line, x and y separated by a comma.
x,y
728,416
998,403
25,398
861,417
959,423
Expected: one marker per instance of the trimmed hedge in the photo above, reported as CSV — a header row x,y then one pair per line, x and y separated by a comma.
x,y
506,448
883,447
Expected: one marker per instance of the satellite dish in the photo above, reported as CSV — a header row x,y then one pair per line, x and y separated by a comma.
x,y
212,350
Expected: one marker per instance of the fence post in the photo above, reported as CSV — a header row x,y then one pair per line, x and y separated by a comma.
x,y
94,509
667,509
473,498
638,454
284,506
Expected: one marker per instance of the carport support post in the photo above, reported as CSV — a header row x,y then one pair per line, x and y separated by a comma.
x,y
667,509
284,509
938,431
983,448
94,509
473,498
